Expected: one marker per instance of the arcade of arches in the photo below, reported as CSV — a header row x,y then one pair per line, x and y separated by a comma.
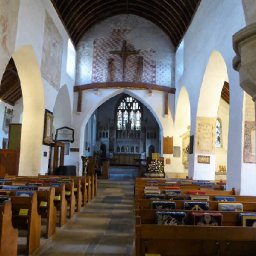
x,y
127,85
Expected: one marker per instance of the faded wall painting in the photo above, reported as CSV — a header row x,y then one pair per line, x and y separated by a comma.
x,y
52,53
185,149
115,59
249,142
205,135
8,26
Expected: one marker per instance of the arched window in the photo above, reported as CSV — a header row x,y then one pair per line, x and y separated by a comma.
x,y
128,114
218,141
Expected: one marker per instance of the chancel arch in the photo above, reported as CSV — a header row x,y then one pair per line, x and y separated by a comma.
x,y
210,158
91,98
126,128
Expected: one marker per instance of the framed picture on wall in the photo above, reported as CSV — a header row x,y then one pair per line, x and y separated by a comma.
x,y
48,128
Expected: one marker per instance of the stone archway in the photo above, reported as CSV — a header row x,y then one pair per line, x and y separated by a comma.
x,y
207,112
182,131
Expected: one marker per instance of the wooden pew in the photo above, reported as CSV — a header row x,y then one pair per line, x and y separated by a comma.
x,y
47,209
25,217
213,205
195,240
45,203
67,189
148,216
8,235
89,188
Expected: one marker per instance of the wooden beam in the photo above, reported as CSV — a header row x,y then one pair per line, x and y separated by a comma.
x,y
79,101
166,104
138,86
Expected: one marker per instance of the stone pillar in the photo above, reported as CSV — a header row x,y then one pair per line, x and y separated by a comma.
x,y
244,44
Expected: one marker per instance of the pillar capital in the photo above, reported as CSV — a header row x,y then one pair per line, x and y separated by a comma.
x,y
244,44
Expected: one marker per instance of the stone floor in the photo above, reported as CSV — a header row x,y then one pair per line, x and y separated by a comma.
x,y
104,227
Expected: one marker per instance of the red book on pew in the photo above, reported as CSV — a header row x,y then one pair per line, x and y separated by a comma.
x,y
170,187
196,192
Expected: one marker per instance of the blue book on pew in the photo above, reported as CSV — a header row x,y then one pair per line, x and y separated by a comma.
x,y
24,193
225,198
154,196
248,219
6,187
163,205
29,188
56,185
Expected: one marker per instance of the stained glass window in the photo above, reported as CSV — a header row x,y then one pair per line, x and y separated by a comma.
x,y
129,114
218,142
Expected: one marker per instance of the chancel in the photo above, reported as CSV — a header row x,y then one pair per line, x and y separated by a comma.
x,y
102,100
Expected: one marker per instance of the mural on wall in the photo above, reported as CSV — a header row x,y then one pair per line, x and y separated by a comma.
x,y
185,149
8,25
115,59
249,142
52,53
205,135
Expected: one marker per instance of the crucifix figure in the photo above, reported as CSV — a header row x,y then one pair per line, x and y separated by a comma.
x,y
124,53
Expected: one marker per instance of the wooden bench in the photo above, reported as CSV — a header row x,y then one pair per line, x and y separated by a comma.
x,y
195,240
25,217
8,235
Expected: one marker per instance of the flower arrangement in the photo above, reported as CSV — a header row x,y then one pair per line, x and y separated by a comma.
x,y
156,166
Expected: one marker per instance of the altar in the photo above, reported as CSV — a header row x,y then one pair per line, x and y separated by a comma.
x,y
125,159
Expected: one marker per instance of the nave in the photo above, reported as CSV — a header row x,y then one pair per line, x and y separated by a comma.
x,y
104,227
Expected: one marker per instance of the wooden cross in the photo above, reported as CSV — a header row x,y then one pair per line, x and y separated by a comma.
x,y
124,53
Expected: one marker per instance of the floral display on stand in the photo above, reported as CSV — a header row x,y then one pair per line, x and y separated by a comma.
x,y
155,169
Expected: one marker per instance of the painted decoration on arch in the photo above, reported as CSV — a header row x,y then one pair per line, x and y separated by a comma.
x,y
249,155
8,25
205,135
52,53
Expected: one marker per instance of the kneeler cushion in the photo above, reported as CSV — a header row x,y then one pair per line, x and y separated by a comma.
x,y
171,218
196,205
235,207
207,218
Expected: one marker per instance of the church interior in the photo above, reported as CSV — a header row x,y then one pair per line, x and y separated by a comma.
x,y
107,102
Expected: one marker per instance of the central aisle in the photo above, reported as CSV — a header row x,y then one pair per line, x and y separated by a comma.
x,y
104,227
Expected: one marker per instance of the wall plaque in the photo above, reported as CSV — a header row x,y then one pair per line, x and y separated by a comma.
x,y
176,151
205,135
249,155
168,145
203,159
64,134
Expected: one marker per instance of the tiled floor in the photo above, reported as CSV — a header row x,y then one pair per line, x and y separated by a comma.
x,y
104,227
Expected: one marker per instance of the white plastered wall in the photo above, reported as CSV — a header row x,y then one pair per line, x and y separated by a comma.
x,y
211,30
27,54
